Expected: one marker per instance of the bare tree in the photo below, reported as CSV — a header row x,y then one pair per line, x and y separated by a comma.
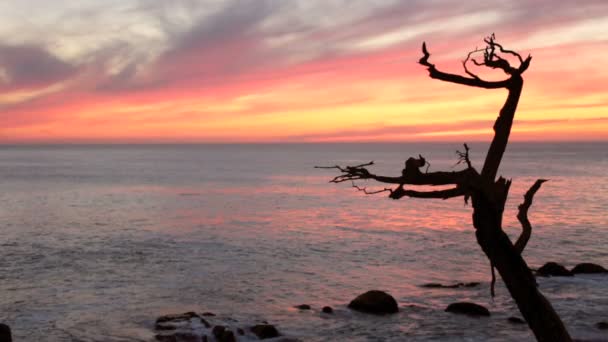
x,y
487,194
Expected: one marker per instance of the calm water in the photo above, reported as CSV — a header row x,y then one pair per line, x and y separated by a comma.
x,y
97,241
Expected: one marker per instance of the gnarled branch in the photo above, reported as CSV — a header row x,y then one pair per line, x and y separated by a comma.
x,y
522,216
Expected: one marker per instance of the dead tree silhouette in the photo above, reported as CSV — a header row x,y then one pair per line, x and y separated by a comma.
x,y
487,194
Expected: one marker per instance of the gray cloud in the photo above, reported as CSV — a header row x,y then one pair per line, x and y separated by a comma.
x,y
31,66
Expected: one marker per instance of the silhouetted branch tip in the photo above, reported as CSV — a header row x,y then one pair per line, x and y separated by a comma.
x,y
364,190
463,157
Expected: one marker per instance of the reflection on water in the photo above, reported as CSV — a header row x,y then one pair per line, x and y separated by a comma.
x,y
98,241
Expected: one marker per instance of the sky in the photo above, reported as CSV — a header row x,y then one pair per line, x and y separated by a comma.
x,y
139,71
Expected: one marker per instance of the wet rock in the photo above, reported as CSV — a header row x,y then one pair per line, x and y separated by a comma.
x,y
327,310
177,317
450,286
165,338
187,337
467,308
208,314
205,323
173,322
375,302
218,330
264,331
227,336
553,269
602,325
240,331
5,333
588,268
516,320
182,336
302,307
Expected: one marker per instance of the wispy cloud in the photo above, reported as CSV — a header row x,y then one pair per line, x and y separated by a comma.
x,y
66,62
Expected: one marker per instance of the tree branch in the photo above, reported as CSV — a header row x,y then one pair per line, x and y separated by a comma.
x,y
411,174
458,79
400,192
522,216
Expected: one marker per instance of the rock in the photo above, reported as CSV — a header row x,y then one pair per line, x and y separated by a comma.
x,y
208,314
205,323
375,302
467,308
205,338
553,269
166,338
240,331
516,320
227,336
181,336
5,333
302,307
218,330
451,286
187,337
602,325
173,322
264,331
327,310
588,268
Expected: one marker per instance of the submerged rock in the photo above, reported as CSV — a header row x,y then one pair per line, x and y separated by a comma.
x,y
516,320
327,310
302,307
375,302
5,333
467,308
553,269
176,321
264,331
602,325
588,268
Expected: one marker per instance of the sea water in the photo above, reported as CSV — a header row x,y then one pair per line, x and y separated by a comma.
x,y
97,241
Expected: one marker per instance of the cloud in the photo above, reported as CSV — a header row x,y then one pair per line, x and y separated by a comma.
x,y
31,67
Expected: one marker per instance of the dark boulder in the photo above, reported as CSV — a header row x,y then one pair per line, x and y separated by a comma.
x,y
327,310
218,330
5,333
227,336
553,269
264,331
602,325
302,307
467,308
516,320
588,268
375,302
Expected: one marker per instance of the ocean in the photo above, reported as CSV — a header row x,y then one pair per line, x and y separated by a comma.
x,y
96,241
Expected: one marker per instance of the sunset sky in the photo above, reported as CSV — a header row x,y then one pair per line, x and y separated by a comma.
x,y
292,70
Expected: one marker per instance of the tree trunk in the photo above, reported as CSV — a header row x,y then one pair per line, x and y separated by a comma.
x,y
537,311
